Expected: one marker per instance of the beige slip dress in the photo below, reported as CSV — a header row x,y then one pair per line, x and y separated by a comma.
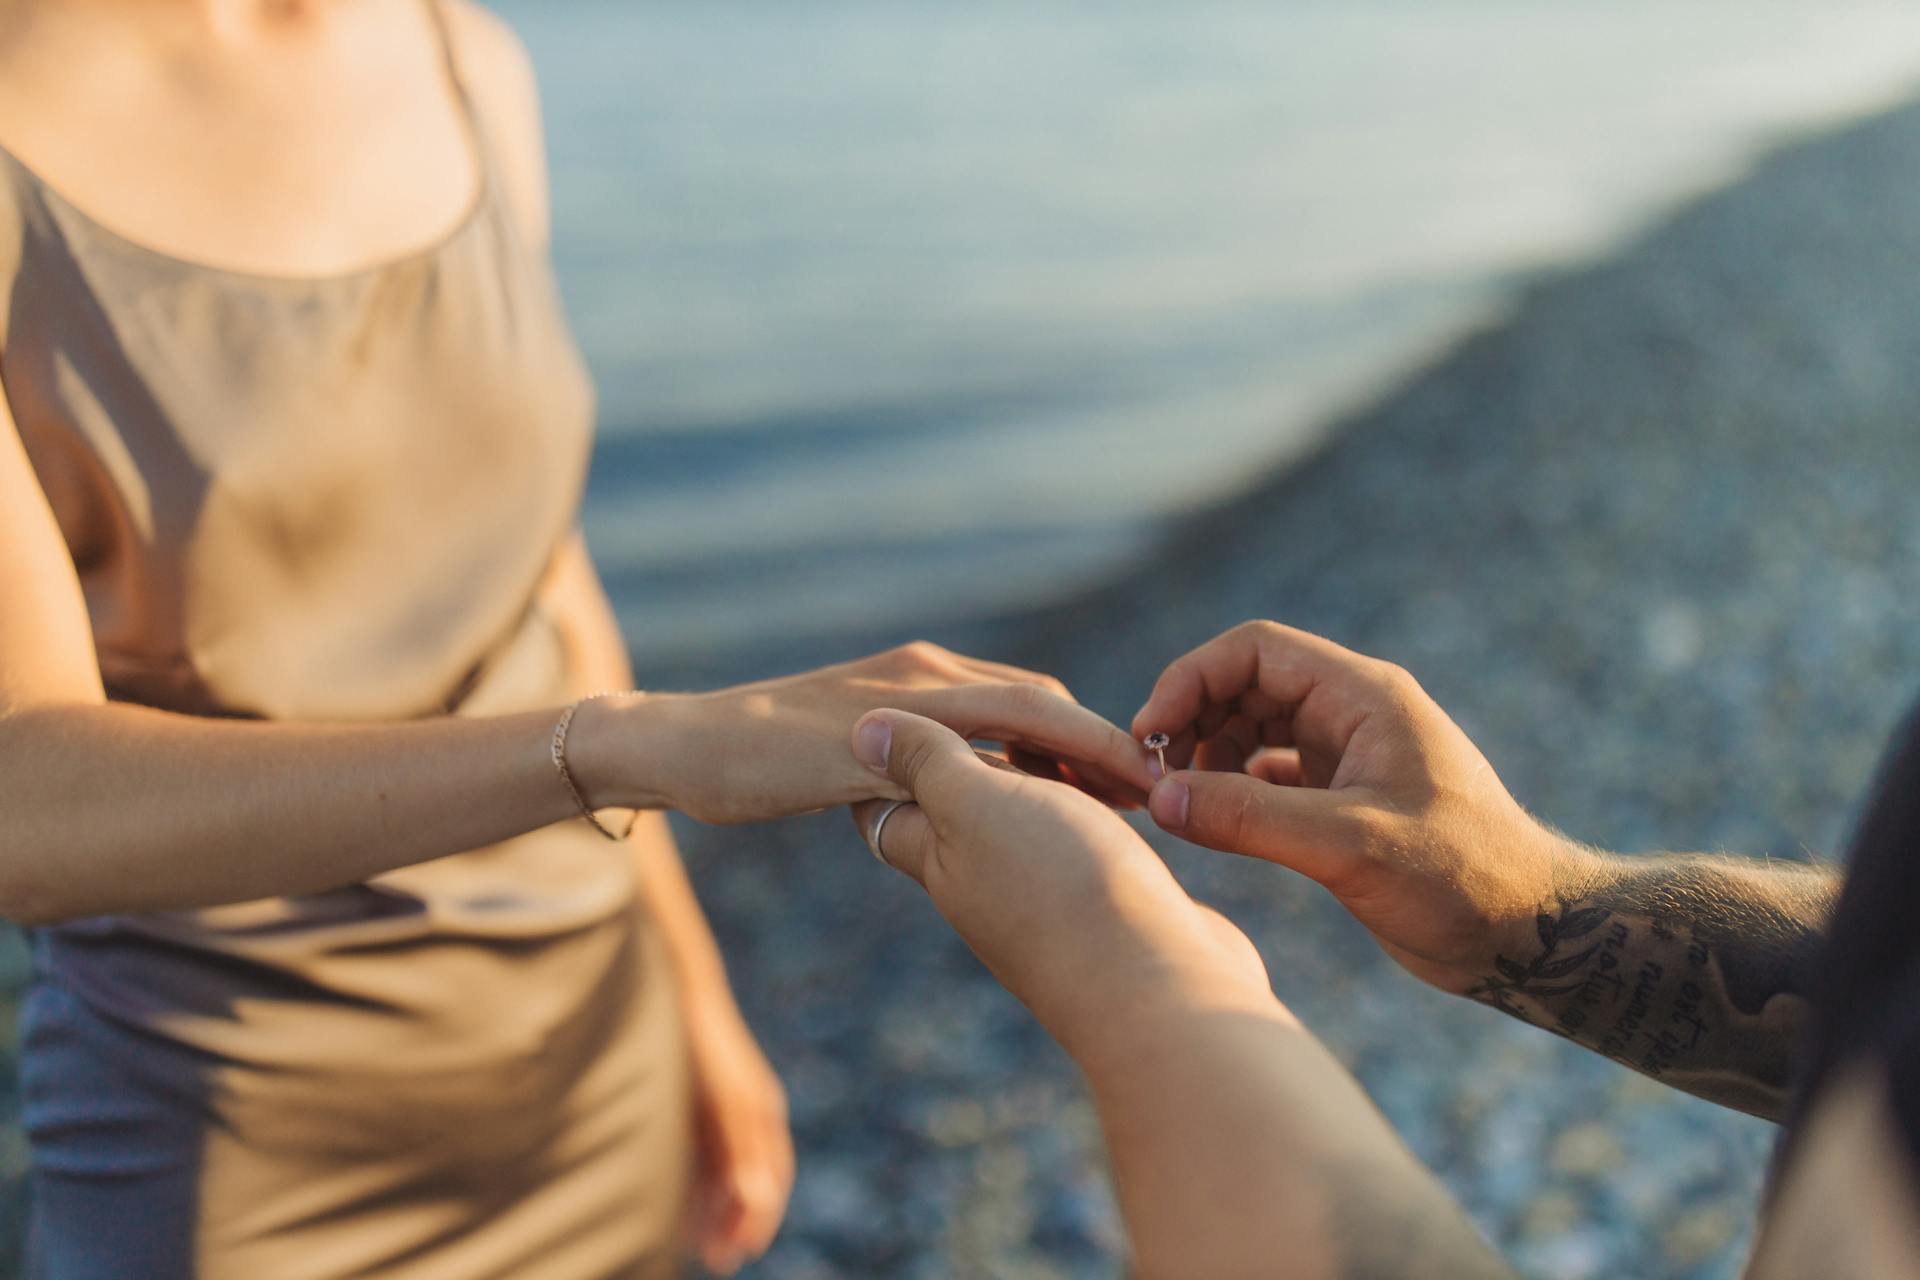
x,y
334,499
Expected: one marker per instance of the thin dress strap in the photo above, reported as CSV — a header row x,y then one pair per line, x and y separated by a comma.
x,y
470,113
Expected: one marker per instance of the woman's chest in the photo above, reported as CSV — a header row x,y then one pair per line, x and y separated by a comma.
x,y
306,156
324,500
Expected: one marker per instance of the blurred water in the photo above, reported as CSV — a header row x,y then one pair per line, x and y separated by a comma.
x,y
907,310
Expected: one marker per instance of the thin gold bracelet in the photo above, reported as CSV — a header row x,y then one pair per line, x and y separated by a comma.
x,y
566,774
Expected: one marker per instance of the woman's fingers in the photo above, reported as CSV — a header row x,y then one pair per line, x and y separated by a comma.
x,y
1102,786
1121,785
1040,766
1115,793
720,1211
1039,720
924,658
764,1180
1009,674
762,1205
721,1249
746,1174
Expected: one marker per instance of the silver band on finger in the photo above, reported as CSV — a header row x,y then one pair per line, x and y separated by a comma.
x,y
878,824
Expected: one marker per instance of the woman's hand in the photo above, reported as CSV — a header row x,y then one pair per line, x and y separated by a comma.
x,y
1342,768
1056,894
740,1129
778,747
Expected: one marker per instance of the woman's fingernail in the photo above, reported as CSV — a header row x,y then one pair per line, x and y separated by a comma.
x,y
871,743
1168,804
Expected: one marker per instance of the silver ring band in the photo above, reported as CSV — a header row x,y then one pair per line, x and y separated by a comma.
x,y
878,824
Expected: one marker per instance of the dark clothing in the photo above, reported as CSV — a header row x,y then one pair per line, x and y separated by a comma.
x,y
1866,994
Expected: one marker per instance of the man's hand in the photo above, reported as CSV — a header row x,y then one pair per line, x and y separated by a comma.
x,y
1239,1145
1067,906
1340,767
1689,968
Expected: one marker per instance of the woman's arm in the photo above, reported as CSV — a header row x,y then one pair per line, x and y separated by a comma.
x,y
1240,1148
1686,967
112,808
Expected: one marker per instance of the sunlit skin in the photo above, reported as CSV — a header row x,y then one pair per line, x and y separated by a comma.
x,y
311,139
1239,1146
1235,1139
1340,767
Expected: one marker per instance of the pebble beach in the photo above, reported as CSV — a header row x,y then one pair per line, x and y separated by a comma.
x,y
1651,539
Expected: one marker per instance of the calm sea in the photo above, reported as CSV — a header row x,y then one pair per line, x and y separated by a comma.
x,y
905,311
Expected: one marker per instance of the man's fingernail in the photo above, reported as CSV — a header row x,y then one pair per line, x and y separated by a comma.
x,y
871,743
1168,804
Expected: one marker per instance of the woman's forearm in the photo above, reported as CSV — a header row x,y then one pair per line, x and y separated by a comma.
x,y
116,808
113,808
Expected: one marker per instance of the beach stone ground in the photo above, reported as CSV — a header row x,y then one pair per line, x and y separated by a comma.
x,y
1652,540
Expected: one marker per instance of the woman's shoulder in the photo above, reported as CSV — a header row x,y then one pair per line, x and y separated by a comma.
x,y
498,77
487,48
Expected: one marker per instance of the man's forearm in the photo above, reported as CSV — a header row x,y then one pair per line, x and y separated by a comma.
x,y
1689,968
1241,1147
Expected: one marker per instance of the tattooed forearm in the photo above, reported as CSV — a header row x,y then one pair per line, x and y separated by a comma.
x,y
1688,968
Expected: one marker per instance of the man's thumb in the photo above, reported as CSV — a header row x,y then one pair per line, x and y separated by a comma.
x,y
919,754
1305,828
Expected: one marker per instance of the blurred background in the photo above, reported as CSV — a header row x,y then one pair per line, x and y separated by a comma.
x,y
1567,355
